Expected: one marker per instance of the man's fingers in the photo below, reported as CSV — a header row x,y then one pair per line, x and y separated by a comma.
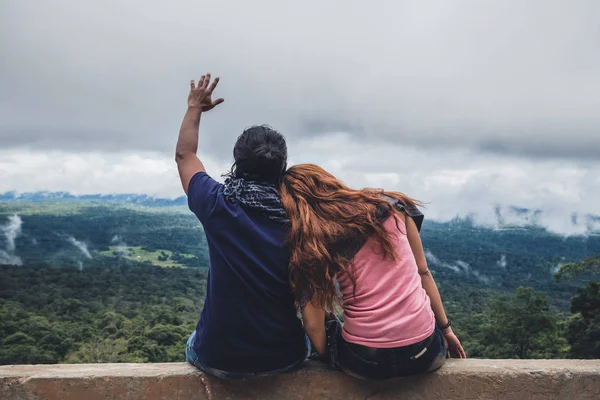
x,y
217,102
213,85
204,82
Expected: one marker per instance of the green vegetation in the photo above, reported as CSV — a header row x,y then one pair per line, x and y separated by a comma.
x,y
93,286
522,326
45,237
583,329
134,313
589,266
161,258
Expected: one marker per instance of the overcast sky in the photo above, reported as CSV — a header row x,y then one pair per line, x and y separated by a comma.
x,y
466,105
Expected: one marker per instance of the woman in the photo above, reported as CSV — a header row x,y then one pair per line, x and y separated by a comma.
x,y
366,242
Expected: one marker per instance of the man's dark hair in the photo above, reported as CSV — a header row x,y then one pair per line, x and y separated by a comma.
x,y
260,154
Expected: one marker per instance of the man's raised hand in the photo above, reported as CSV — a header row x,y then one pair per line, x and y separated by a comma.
x,y
201,96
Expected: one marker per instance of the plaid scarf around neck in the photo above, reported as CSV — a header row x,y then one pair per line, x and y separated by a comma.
x,y
258,196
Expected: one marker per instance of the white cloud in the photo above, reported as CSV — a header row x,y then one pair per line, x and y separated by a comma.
x,y
555,269
472,271
452,182
120,247
436,262
457,266
9,259
481,277
92,172
502,262
467,183
11,230
82,246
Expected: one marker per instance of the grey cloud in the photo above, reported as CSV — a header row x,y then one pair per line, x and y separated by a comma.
x,y
508,77
83,139
316,126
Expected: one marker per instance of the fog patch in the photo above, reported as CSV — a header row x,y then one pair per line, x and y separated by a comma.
x,y
435,261
121,248
502,262
458,266
9,259
82,246
11,231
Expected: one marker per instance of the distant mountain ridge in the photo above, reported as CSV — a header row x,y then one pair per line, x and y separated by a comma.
x,y
505,217
128,198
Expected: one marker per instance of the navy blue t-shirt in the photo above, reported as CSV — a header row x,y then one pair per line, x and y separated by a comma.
x,y
249,321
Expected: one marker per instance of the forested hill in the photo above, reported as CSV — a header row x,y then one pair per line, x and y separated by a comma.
x,y
116,279
60,228
504,217
116,230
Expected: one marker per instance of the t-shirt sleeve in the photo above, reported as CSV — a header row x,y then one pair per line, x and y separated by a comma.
x,y
203,195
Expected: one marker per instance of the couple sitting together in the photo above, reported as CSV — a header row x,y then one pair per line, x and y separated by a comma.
x,y
282,240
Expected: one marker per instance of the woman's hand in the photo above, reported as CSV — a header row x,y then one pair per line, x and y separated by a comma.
x,y
201,97
455,349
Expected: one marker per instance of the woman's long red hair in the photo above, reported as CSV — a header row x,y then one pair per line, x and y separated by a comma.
x,y
323,210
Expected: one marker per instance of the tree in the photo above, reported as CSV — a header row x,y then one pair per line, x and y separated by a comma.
x,y
589,266
583,332
522,326
166,335
583,328
103,351
133,313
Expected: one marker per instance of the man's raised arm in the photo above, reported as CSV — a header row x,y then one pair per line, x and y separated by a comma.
x,y
199,101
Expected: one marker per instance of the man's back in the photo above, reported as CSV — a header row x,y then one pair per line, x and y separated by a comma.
x,y
249,321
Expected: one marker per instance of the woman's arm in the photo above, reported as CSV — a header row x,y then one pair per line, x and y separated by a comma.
x,y
431,288
314,325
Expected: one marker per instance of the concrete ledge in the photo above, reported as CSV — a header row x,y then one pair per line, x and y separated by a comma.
x,y
468,379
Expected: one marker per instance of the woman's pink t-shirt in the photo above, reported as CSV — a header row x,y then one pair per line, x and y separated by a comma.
x,y
390,308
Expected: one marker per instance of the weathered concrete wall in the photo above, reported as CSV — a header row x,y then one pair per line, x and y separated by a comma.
x,y
459,379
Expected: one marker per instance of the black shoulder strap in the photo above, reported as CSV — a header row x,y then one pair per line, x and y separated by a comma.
x,y
411,211
350,245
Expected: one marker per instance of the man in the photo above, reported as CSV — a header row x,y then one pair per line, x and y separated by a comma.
x,y
249,325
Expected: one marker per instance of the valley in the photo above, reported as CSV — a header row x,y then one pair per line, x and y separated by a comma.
x,y
116,280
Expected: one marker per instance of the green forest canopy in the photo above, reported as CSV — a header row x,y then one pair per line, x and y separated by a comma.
x,y
121,305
